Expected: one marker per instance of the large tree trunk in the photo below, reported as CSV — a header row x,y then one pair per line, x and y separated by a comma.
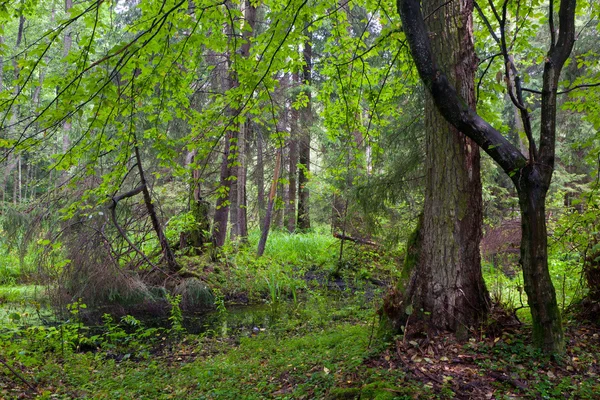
x,y
447,284
304,141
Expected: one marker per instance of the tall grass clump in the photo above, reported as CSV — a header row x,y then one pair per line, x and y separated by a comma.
x,y
9,271
300,249
509,290
195,296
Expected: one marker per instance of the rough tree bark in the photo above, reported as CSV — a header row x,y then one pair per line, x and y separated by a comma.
x,y
532,176
219,232
446,287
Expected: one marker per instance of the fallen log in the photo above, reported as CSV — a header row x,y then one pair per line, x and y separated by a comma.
x,y
355,239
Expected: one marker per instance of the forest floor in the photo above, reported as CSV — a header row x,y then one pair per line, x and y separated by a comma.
x,y
310,330
321,347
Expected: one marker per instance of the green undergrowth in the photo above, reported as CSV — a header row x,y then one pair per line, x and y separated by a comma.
x,y
292,265
324,348
566,274
299,353
18,293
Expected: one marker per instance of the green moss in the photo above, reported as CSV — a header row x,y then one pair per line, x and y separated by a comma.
x,y
385,391
411,259
344,393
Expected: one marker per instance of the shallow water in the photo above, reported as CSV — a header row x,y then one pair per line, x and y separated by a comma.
x,y
244,320
272,318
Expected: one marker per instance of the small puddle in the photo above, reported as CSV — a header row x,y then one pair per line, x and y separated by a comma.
x,y
240,320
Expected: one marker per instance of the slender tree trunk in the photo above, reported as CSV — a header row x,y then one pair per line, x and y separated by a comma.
x,y
15,182
168,255
304,141
242,169
66,143
265,229
234,168
260,178
20,186
1,60
233,195
222,207
280,198
15,112
242,215
447,283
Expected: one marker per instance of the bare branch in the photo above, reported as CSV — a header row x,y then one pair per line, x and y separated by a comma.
x,y
15,373
565,91
486,22
113,215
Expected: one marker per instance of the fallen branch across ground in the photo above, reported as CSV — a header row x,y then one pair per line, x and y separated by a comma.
x,y
355,239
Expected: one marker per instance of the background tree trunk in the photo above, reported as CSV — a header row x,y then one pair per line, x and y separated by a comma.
x,y
225,181
260,177
293,171
265,228
66,140
195,238
222,206
304,141
242,214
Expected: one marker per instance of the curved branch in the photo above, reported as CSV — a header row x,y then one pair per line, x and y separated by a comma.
x,y
511,73
452,107
555,60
